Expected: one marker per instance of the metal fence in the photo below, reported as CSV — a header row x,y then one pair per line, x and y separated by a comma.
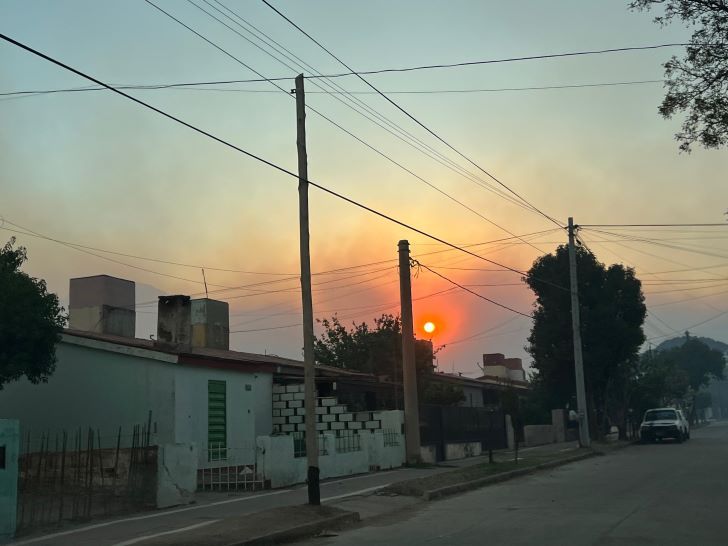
x,y
70,476
229,469
391,437
347,441
441,425
299,444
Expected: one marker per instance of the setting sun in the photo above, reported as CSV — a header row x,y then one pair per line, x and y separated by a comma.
x,y
429,327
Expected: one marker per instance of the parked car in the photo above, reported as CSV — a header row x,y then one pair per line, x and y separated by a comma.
x,y
661,423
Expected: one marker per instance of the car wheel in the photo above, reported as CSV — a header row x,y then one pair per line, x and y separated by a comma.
x,y
679,438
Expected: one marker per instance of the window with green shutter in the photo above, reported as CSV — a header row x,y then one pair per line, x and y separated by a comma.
x,y
216,420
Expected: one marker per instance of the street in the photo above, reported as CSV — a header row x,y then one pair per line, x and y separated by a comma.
x,y
211,507
351,494
646,494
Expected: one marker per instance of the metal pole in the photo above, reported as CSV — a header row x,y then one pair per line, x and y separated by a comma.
x,y
409,372
576,330
309,370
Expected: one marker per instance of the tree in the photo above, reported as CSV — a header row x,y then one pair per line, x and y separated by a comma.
x,y
658,381
612,312
676,376
378,350
700,363
31,320
697,83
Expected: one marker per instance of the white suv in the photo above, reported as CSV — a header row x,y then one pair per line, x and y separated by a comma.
x,y
660,423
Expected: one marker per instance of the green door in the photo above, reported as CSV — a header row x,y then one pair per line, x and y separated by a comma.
x,y
216,420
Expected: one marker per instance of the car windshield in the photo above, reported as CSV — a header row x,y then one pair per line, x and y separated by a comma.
x,y
660,415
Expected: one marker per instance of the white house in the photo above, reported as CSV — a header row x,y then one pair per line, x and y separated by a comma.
x,y
195,390
188,389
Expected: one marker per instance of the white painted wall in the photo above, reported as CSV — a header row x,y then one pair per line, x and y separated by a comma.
x,y
98,389
537,435
176,474
462,450
248,410
104,390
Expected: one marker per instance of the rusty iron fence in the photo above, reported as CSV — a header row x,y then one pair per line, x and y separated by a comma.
x,y
75,476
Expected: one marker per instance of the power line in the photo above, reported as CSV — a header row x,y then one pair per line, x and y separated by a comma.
x,y
262,160
692,299
725,224
463,287
660,243
722,313
360,140
438,137
145,258
195,86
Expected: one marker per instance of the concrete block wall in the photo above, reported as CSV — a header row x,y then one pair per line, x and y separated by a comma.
x,y
278,464
289,414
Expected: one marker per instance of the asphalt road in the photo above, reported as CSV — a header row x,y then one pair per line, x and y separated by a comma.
x,y
653,494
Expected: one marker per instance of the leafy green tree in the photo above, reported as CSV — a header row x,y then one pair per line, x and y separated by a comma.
x,y
378,350
700,363
612,311
658,381
697,83
31,320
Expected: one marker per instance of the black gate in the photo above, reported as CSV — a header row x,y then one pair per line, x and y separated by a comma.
x,y
441,425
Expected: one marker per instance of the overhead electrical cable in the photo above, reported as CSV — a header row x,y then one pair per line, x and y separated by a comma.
x,y
197,86
406,113
466,289
339,126
265,161
334,89
403,135
722,313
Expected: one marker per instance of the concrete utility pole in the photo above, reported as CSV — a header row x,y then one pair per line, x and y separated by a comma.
x,y
309,369
409,371
576,330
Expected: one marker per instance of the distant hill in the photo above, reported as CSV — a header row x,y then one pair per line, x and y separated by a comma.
x,y
679,341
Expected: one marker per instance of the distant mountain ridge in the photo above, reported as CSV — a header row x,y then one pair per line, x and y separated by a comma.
x,y
679,341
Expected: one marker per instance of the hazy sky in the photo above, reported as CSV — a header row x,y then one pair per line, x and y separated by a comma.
x,y
94,169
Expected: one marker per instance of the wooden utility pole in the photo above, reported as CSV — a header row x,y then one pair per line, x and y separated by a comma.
x,y
309,369
409,371
576,332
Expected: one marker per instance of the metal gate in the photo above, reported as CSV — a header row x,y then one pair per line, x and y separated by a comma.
x,y
441,425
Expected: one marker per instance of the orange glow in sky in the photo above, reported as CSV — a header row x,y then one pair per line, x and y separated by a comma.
x,y
429,327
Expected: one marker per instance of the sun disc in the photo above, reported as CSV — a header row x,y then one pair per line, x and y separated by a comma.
x,y
429,327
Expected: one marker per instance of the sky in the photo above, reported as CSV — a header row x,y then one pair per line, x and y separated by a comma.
x,y
94,169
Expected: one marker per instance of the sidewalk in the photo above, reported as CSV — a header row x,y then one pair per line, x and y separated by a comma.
x,y
214,511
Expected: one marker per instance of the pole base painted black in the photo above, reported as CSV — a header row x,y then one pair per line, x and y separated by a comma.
x,y
314,491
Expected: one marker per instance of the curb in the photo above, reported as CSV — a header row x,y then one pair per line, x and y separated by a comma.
x,y
300,532
481,482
